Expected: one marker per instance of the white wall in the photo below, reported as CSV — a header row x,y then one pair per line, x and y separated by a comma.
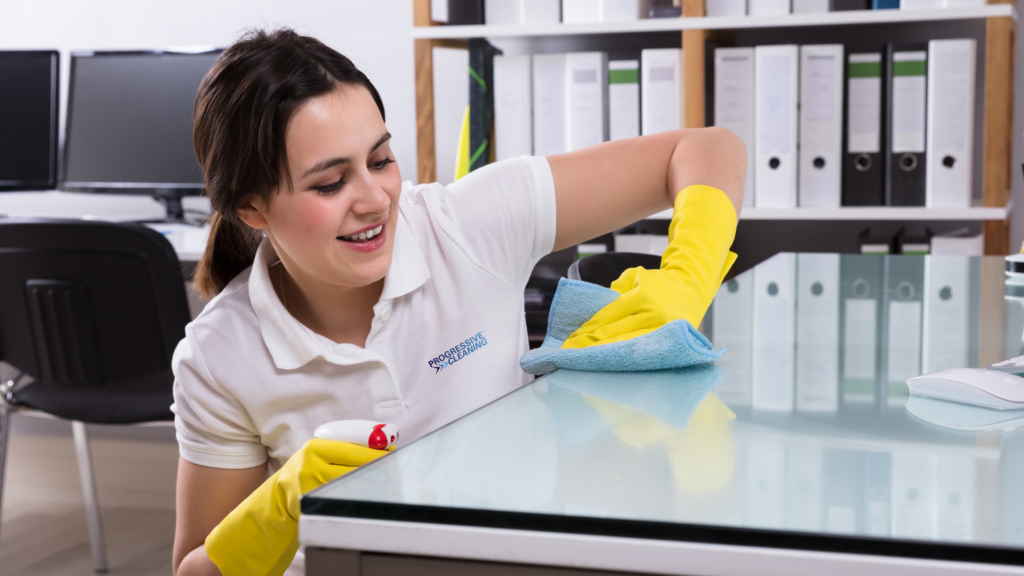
x,y
451,96
375,34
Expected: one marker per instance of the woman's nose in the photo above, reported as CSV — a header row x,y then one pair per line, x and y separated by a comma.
x,y
372,198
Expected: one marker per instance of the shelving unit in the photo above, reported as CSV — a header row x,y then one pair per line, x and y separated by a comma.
x,y
867,213
1000,17
716,23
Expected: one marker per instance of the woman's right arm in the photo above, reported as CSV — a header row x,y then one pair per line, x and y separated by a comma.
x,y
204,497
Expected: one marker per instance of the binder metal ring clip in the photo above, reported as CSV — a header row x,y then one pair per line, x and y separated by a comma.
x,y
908,162
862,162
861,288
905,290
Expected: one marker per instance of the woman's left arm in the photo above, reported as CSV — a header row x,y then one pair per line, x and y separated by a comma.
x,y
614,184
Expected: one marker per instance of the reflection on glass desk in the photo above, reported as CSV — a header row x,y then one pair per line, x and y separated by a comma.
x,y
798,450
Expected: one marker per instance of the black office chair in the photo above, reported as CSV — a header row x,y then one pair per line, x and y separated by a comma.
x,y
90,314
603,269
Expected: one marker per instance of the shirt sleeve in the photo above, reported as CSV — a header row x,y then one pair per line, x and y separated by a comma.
x,y
504,216
212,427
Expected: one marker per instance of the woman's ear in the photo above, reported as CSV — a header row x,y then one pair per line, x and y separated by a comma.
x,y
252,212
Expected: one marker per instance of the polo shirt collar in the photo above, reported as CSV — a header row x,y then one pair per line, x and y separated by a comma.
x,y
291,344
408,266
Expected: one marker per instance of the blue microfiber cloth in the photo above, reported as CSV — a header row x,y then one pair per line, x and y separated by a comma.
x,y
674,345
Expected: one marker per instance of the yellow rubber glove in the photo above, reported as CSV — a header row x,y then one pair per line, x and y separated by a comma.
x,y
261,535
634,427
703,457
702,454
692,267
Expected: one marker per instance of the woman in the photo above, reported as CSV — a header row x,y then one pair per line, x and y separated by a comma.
x,y
345,293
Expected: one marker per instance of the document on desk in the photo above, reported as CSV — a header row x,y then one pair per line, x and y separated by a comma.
x,y
732,319
776,97
513,110
188,241
549,98
734,103
773,348
817,332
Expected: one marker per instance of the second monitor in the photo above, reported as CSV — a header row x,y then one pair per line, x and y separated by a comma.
x,y
129,124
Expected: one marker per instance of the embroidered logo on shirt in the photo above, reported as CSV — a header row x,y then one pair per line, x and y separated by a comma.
x,y
458,352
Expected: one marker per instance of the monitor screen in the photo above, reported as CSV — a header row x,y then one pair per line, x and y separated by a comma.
x,y
28,119
129,125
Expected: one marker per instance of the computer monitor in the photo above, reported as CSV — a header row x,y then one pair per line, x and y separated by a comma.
x,y
129,124
29,84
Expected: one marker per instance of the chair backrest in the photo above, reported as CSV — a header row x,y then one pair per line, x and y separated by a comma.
x,y
88,305
603,269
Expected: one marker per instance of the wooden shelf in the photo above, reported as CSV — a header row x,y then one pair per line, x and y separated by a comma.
x,y
869,213
716,23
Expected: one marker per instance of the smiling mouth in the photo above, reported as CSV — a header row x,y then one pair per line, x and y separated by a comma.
x,y
363,236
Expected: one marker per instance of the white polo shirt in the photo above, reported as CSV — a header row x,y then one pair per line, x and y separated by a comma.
x,y
252,382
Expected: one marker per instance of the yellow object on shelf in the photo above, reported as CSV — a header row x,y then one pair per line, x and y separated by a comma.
x,y
462,152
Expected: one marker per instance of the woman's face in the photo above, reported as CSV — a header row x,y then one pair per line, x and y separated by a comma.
x,y
336,224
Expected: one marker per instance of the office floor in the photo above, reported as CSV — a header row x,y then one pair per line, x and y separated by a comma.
x,y
43,529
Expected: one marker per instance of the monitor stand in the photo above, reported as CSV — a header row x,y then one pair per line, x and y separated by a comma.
x,y
171,200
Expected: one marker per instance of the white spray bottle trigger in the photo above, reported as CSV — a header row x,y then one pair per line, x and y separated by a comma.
x,y
366,433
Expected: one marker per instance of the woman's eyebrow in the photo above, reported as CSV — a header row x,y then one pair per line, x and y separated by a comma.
x,y
332,162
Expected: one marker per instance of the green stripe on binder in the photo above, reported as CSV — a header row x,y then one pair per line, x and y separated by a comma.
x,y
865,70
623,76
477,77
909,68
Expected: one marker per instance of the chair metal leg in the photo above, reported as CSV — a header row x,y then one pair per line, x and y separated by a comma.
x,y
5,433
90,496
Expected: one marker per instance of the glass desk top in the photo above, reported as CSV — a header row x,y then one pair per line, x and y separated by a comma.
x,y
801,436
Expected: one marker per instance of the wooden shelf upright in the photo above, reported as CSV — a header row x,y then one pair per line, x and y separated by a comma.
x,y
426,155
998,132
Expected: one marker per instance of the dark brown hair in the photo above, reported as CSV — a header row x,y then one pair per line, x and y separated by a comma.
x,y
241,113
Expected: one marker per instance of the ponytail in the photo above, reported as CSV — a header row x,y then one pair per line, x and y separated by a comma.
x,y
230,250
239,120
